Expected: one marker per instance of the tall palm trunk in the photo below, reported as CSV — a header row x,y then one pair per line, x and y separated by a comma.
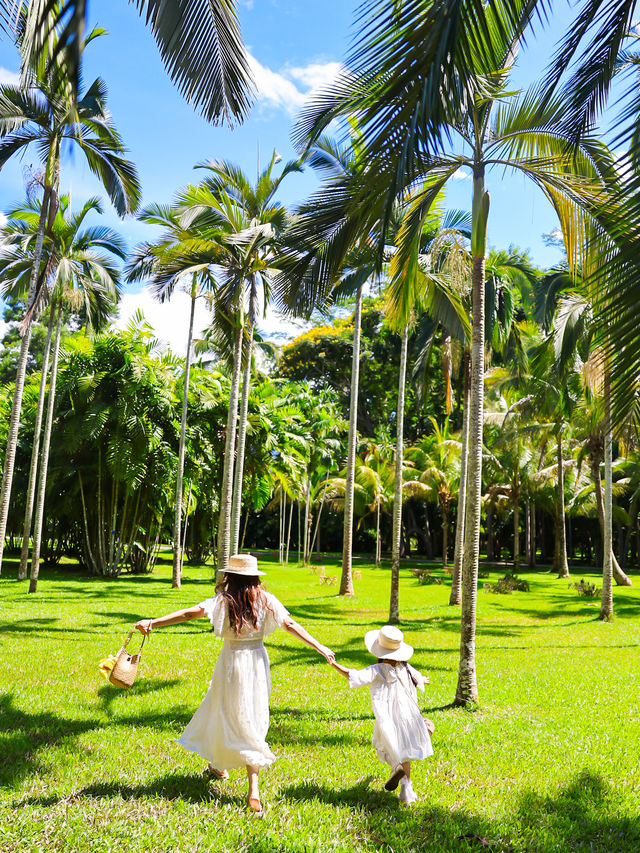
x,y
456,576
378,543
532,552
445,536
562,561
46,441
16,408
516,526
177,516
236,507
346,581
467,689
306,558
619,576
606,606
394,603
35,453
224,520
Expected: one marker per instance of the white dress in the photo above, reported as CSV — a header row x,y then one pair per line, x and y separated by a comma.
x,y
230,726
399,732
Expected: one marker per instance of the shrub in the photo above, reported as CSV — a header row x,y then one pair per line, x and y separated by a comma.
x,y
507,584
585,589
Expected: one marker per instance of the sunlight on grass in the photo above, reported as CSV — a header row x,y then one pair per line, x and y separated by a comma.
x,y
548,762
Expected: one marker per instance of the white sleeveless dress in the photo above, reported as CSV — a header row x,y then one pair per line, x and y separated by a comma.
x,y
229,728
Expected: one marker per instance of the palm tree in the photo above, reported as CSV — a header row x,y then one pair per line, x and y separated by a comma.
x,y
199,42
81,275
254,221
47,115
167,262
436,462
65,244
524,133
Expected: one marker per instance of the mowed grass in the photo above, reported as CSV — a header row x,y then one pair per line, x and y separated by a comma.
x,y
549,761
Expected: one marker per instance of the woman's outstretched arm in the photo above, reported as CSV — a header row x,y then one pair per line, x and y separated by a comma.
x,y
305,637
175,618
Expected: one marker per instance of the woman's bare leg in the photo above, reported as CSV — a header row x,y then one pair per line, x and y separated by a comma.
x,y
406,766
254,790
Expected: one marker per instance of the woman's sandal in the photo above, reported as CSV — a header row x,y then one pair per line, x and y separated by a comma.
x,y
216,774
255,805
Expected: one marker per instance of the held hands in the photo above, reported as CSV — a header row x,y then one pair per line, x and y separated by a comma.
x,y
327,654
144,626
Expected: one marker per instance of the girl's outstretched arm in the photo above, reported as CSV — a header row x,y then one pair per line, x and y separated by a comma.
x,y
145,626
341,669
304,636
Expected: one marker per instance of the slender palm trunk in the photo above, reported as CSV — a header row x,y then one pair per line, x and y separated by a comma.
x,y
619,576
562,561
378,543
177,516
46,441
316,532
467,689
288,529
445,536
456,577
224,520
307,523
516,531
606,606
532,553
527,531
35,453
236,508
346,581
16,408
394,603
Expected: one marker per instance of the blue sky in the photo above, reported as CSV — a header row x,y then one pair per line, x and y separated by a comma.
x,y
294,46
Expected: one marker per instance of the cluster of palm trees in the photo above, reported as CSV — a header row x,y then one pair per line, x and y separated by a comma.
x,y
425,92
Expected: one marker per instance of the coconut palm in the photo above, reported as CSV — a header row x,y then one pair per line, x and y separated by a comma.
x,y
436,462
199,42
254,221
81,276
166,263
90,287
47,116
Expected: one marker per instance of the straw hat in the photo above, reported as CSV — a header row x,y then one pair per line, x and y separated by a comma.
x,y
387,643
243,564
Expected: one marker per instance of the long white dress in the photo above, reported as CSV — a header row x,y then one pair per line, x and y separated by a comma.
x,y
230,726
399,732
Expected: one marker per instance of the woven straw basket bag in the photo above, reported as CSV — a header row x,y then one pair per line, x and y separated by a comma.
x,y
125,668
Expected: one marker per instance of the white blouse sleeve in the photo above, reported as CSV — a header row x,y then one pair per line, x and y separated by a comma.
x,y
275,613
418,679
215,611
362,677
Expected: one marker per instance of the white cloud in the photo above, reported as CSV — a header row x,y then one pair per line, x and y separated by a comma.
x,y
8,77
461,175
170,320
289,88
315,74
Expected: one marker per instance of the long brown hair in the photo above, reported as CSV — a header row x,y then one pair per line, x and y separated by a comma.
x,y
243,594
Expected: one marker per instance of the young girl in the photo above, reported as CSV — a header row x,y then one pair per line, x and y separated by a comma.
x,y
400,734
229,729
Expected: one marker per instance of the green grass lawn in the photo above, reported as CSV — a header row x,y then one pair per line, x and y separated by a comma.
x,y
549,761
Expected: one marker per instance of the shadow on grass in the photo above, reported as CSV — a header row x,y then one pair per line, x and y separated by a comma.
x,y
584,815
174,786
110,695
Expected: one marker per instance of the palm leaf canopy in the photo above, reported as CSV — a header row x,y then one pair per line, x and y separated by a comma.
x,y
199,42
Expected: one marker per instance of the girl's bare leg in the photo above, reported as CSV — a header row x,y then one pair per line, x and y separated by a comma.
x,y
406,766
254,790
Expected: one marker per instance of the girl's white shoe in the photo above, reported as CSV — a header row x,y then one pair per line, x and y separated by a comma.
x,y
407,794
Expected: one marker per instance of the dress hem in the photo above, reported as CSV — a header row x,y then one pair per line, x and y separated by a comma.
x,y
256,760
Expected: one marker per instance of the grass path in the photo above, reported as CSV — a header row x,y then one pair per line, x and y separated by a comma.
x,y
550,761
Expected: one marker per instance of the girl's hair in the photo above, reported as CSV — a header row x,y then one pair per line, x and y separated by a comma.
x,y
243,594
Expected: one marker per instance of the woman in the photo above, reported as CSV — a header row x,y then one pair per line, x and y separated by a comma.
x,y
229,728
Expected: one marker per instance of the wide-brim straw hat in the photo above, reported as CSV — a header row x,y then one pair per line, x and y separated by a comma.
x,y
387,643
243,564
